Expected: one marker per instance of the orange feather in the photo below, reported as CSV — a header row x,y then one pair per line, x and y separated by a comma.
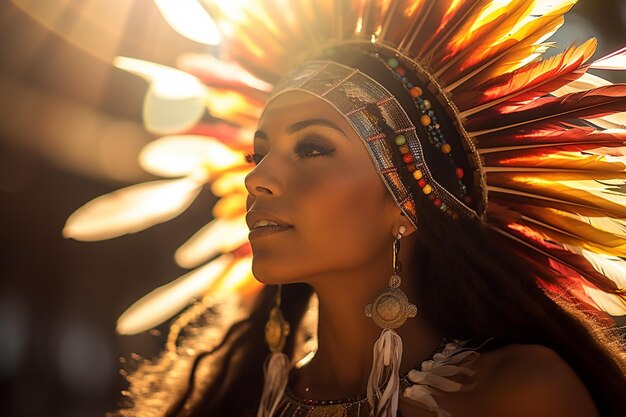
x,y
528,78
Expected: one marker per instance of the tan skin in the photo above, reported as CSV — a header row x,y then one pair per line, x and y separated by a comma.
x,y
315,174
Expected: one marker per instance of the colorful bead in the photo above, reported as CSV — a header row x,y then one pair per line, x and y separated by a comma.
x,y
429,121
415,92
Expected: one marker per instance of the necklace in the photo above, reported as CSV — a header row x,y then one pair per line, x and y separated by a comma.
x,y
293,405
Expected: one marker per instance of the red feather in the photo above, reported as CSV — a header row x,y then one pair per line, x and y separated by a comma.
x,y
564,135
597,102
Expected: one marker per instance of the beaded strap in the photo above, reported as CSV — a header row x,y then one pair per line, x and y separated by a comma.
x,y
430,122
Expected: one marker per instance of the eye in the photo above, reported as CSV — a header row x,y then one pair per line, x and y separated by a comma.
x,y
308,148
312,149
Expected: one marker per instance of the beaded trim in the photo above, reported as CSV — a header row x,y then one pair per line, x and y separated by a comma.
x,y
293,406
469,142
306,401
430,122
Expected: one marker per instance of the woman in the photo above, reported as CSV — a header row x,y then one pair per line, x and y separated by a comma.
x,y
311,180
423,125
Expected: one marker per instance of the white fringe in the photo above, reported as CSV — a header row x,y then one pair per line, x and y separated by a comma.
x,y
385,372
276,372
436,375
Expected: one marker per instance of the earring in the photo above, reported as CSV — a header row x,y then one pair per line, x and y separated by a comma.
x,y
277,366
389,310
276,328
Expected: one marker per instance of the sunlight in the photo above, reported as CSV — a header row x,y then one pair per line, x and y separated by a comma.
x,y
190,19
94,26
175,100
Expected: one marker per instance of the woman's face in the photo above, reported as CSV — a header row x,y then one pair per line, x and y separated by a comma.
x,y
314,174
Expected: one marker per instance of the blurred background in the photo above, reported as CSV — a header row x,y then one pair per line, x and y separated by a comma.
x,y
70,130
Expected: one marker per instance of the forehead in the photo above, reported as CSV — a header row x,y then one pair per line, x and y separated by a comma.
x,y
292,106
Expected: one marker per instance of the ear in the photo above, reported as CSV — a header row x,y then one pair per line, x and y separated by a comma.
x,y
401,219
397,218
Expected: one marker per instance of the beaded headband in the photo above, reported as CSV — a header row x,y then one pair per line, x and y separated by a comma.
x,y
380,120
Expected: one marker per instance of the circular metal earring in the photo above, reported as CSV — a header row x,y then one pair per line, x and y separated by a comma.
x,y
391,308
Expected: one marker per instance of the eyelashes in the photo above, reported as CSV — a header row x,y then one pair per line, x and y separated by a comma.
x,y
253,158
304,150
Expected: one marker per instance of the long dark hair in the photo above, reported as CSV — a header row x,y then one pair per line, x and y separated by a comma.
x,y
469,286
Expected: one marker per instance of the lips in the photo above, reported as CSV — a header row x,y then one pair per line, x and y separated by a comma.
x,y
267,230
255,216
263,223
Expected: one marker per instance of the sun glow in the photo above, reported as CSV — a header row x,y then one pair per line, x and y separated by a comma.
x,y
190,19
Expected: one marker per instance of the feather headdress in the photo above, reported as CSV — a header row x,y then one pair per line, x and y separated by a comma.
x,y
550,137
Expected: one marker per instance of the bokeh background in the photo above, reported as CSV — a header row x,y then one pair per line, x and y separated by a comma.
x,y
70,130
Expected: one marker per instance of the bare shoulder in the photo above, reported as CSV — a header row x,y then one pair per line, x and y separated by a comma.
x,y
532,380
518,380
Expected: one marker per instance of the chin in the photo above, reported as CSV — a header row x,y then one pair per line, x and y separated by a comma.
x,y
267,273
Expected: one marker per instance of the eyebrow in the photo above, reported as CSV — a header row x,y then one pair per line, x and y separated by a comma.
x,y
296,127
311,122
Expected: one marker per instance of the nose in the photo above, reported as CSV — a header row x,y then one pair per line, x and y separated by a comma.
x,y
262,182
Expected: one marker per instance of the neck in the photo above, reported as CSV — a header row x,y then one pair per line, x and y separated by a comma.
x,y
346,336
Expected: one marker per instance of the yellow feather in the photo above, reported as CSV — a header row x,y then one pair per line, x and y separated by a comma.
x,y
526,46
580,189
486,31
561,226
549,159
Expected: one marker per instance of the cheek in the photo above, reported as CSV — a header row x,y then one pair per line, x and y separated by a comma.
x,y
338,217
343,210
